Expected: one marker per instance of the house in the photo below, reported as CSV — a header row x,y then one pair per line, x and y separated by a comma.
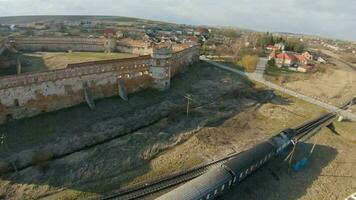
x,y
308,55
276,47
109,33
190,40
272,55
280,46
285,59
288,59
301,60
272,48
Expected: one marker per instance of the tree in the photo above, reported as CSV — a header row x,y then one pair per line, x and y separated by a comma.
x,y
249,62
294,45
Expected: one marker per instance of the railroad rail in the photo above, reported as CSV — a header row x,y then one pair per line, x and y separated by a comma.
x,y
145,189
303,131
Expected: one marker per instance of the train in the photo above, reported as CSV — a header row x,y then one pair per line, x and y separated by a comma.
x,y
219,179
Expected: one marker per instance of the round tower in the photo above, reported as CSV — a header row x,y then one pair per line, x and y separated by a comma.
x,y
160,66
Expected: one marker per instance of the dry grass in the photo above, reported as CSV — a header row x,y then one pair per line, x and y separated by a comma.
x,y
61,60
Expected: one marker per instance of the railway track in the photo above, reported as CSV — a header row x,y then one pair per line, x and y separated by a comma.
x,y
142,190
155,186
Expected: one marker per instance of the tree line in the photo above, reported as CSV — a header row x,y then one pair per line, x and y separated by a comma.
x,y
291,44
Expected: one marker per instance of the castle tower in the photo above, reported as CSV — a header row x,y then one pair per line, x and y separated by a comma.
x,y
109,45
110,41
160,66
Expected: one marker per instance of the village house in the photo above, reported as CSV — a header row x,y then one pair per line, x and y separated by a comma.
x,y
276,47
289,59
272,48
308,55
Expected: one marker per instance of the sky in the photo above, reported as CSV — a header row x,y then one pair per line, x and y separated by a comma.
x,y
329,18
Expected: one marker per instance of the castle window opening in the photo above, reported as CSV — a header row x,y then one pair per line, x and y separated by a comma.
x,y
16,103
158,62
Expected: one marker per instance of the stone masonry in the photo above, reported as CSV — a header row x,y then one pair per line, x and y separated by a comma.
x,y
30,94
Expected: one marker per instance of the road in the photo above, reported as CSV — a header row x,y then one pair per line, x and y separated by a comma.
x,y
258,77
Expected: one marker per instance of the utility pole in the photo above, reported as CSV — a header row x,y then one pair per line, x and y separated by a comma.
x,y
189,98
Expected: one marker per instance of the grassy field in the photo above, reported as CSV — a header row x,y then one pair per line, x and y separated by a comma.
x,y
40,61
61,60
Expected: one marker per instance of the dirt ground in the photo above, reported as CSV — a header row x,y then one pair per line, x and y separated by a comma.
x,y
152,136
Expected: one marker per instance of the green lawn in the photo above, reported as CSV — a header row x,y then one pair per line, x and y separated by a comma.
x,y
277,75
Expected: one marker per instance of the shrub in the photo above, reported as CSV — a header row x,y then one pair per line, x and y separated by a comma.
x,y
249,62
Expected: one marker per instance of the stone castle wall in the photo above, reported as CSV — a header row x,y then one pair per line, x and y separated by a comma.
x,y
34,93
79,44
183,58
59,44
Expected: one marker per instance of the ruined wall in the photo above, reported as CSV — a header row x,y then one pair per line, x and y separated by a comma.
x,y
33,93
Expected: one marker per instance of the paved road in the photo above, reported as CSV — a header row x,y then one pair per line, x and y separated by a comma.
x,y
258,77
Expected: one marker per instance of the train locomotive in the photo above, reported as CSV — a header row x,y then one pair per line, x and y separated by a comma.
x,y
218,180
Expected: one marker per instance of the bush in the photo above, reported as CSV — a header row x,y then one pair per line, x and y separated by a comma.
x,y
41,157
249,62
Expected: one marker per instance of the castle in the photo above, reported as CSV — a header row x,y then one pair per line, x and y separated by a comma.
x,y
30,94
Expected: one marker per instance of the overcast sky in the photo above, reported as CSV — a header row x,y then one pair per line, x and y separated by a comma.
x,y
331,18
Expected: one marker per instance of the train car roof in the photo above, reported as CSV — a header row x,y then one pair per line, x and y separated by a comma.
x,y
248,157
200,186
